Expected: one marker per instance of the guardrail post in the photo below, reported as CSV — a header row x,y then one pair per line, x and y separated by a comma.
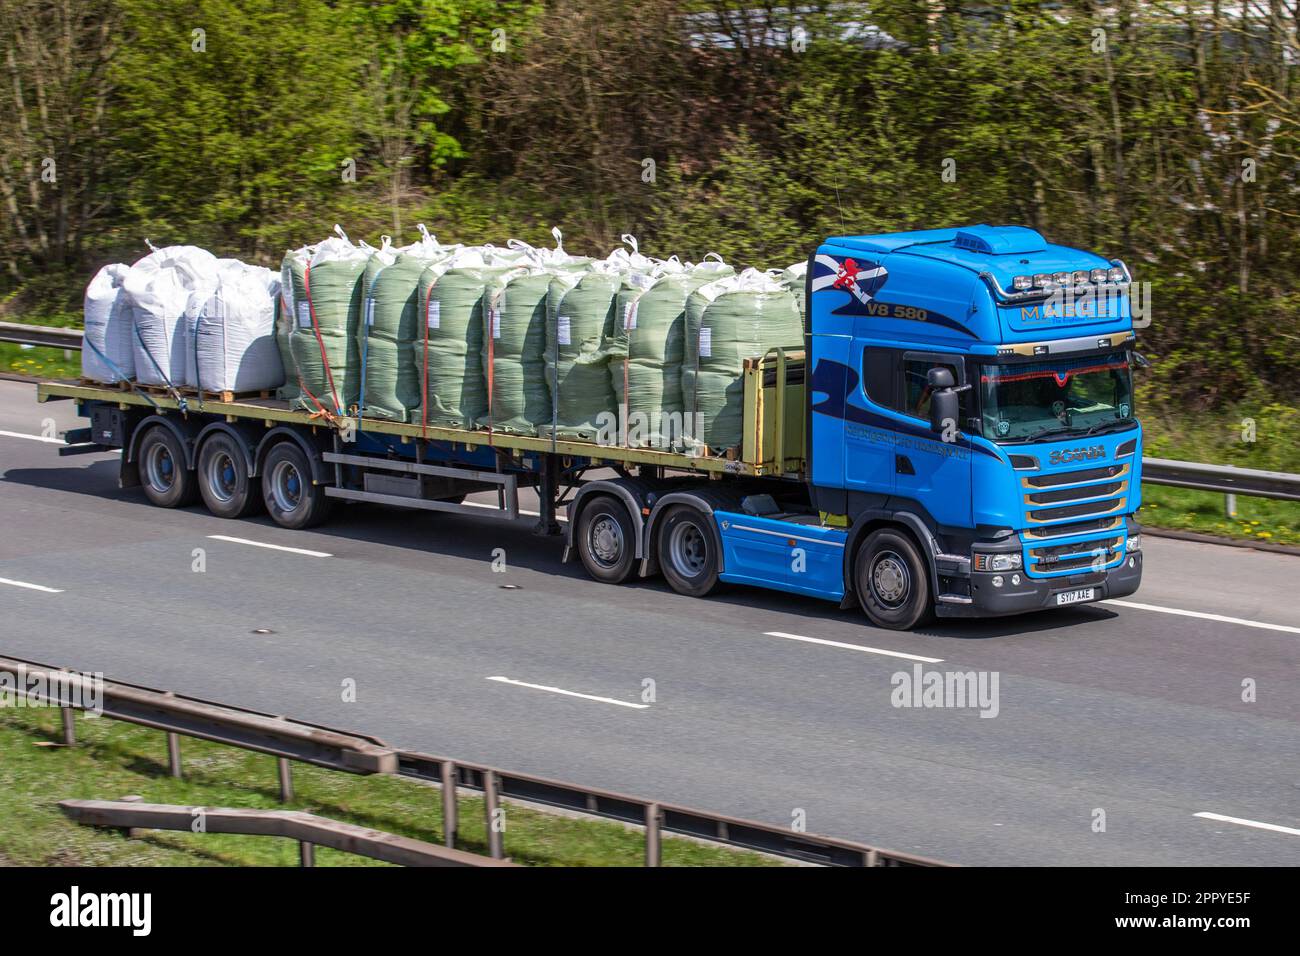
x,y
174,753
306,853
450,810
654,818
69,727
286,779
1230,505
491,803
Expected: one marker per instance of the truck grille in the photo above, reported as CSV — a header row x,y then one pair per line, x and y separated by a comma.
x,y
1075,527
1088,493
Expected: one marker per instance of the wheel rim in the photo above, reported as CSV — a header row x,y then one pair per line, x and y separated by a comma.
x,y
159,467
688,550
605,540
222,480
891,581
286,486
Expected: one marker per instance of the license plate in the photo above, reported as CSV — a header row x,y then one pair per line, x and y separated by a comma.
x,y
1074,597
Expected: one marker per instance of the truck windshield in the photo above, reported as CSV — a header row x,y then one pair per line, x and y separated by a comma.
x,y
1066,395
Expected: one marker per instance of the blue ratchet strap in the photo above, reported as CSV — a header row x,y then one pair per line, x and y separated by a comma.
x,y
180,399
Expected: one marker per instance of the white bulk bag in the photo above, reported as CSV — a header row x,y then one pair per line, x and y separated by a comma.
x,y
232,340
109,354
161,286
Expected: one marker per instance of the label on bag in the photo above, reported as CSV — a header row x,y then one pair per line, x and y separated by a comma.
x,y
562,329
370,312
629,316
706,342
496,322
433,317
304,315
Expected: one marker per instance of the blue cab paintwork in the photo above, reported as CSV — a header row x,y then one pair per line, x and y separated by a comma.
x,y
933,297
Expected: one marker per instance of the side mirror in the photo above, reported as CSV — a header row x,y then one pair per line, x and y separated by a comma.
x,y
1140,360
943,409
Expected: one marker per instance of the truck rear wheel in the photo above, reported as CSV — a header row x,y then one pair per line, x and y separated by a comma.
x,y
688,553
606,539
892,582
166,481
292,500
223,478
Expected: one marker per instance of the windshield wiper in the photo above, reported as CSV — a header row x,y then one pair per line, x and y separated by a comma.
x,y
1103,426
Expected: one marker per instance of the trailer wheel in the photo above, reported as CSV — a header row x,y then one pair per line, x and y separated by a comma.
x,y
606,539
291,499
161,459
892,582
223,478
688,554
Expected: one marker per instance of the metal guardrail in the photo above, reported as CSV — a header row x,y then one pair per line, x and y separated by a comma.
x,y
333,749
44,335
308,829
1227,479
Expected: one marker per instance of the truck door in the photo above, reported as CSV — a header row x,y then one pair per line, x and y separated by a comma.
x,y
927,469
868,435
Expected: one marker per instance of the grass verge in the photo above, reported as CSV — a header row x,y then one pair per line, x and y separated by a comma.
x,y
113,759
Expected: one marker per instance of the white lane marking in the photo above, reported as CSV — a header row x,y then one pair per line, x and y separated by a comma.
x,y
855,647
49,441
34,587
274,547
1208,617
570,693
1248,823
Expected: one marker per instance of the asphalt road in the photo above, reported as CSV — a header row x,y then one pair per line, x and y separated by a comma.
x,y
1134,711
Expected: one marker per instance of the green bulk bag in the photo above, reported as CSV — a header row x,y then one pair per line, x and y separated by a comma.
x,y
645,351
451,353
728,321
387,335
514,343
579,320
327,294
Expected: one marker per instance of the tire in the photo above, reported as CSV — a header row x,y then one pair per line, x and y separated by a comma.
x,y
892,581
688,551
606,539
160,458
291,499
223,478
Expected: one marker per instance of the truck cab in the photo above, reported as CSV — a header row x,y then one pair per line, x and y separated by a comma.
x,y
971,422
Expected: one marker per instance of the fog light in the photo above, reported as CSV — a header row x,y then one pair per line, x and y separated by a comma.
x,y
1132,562
1015,579
997,580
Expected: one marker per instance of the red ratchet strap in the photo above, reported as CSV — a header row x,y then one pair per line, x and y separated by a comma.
x,y
424,374
311,309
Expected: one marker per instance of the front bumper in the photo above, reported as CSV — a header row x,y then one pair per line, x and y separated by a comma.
x,y
1037,594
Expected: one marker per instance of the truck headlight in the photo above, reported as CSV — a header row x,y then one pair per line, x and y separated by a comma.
x,y
1022,283
1134,543
1007,561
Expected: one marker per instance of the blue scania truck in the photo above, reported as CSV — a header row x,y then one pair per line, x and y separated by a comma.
x,y
956,439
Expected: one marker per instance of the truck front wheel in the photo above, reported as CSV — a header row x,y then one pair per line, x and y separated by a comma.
x,y
292,500
165,479
892,582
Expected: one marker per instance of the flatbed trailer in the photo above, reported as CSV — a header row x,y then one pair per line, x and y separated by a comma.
x,y
231,452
